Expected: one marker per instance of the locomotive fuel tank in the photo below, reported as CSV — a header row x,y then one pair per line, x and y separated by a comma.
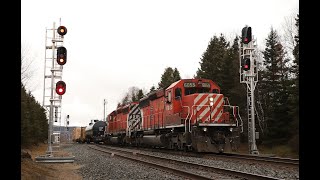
x,y
154,140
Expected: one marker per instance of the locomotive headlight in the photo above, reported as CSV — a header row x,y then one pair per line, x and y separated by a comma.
x,y
231,129
205,129
211,101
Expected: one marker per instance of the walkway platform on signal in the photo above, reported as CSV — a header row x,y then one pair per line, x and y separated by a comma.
x,y
55,159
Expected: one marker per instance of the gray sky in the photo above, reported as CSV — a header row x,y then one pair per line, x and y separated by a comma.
x,y
114,45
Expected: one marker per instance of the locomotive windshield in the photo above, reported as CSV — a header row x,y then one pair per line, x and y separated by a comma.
x,y
188,91
199,87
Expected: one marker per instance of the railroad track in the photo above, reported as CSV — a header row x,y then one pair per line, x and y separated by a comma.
x,y
179,167
262,159
259,158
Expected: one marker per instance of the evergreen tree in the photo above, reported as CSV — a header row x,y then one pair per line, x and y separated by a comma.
x,y
152,89
25,129
34,122
168,77
140,94
230,70
237,93
176,75
294,96
274,86
212,61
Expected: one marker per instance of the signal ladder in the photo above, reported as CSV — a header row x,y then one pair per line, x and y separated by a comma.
x,y
51,67
249,106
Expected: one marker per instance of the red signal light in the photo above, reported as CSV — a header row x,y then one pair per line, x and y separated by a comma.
x,y
245,40
60,87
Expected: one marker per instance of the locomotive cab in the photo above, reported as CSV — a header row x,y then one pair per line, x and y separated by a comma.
x,y
198,106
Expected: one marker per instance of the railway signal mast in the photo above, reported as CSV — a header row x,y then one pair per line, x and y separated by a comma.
x,y
249,75
54,87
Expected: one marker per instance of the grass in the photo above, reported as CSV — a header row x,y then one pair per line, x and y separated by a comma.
x,y
279,151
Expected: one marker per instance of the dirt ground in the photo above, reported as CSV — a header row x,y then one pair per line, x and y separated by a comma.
x,y
31,170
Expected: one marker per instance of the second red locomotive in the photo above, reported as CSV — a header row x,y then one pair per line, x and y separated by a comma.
x,y
190,114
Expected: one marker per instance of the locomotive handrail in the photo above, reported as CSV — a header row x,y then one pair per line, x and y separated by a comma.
x,y
228,104
227,99
240,119
185,121
234,115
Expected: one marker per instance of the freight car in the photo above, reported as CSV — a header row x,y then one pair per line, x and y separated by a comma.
x,y
95,131
189,115
78,134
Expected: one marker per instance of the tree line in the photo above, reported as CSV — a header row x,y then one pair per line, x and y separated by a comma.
x,y
34,122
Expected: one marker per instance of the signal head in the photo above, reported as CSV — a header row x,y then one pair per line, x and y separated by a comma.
x,y
246,65
61,55
60,87
62,30
246,35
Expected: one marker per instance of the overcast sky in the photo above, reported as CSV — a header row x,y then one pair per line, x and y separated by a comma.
x,y
114,45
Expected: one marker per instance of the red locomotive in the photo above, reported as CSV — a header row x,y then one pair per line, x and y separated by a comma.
x,y
190,114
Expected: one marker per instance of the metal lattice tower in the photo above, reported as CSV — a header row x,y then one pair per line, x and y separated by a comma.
x,y
52,74
250,77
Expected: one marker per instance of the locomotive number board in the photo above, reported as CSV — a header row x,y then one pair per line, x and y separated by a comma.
x,y
206,84
192,84
189,84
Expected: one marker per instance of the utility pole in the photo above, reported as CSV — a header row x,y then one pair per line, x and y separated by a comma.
x,y
105,102
67,131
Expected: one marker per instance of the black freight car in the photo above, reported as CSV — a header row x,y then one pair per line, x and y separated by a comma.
x,y
95,131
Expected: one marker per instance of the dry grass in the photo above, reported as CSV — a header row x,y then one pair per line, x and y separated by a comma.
x,y
280,151
39,170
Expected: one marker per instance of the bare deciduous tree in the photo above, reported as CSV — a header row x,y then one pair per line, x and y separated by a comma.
x,y
27,69
133,94
289,30
25,66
